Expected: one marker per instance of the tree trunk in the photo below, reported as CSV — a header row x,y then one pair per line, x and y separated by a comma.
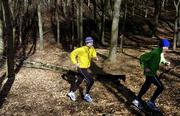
x,y
64,8
1,31
133,8
10,44
14,37
146,13
72,27
178,40
68,2
40,26
25,3
146,9
80,21
58,29
94,11
114,31
112,7
20,29
57,22
163,4
3,14
167,2
176,25
123,28
103,18
89,2
157,4
175,34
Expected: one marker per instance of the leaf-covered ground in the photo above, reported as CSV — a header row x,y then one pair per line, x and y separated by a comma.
x,y
37,92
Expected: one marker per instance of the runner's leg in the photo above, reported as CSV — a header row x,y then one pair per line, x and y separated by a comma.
x,y
159,89
89,78
77,83
144,87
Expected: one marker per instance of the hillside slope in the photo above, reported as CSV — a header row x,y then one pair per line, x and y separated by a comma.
x,y
37,92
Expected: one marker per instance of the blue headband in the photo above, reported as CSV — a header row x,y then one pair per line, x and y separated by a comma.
x,y
89,40
165,43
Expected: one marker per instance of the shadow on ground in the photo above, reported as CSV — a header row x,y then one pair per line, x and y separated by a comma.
x,y
111,82
6,87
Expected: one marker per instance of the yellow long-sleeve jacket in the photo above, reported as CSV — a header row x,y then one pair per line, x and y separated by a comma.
x,y
83,56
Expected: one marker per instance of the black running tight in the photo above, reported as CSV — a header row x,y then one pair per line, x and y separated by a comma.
x,y
84,74
149,80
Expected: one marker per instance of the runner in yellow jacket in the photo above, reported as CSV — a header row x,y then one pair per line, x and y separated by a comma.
x,y
81,58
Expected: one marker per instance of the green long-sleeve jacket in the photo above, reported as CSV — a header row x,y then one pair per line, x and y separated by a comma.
x,y
152,60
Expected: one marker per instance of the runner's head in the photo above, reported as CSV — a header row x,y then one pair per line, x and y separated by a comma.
x,y
89,41
164,44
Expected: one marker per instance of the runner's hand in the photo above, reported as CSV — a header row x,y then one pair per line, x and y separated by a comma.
x,y
167,63
147,70
77,65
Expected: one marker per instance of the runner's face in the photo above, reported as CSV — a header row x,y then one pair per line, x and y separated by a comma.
x,y
89,44
165,49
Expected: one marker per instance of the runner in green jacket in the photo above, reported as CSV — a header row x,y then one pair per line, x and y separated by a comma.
x,y
81,58
150,63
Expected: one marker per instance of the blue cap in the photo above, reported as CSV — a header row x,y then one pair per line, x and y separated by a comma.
x,y
89,40
164,42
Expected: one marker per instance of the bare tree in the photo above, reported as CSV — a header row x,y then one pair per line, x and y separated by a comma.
x,y
146,9
133,8
163,4
56,3
22,9
157,5
72,26
94,10
114,31
103,18
176,38
64,7
10,44
80,20
14,9
123,27
1,30
41,40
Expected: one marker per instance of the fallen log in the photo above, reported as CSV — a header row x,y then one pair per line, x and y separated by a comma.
x,y
69,75
40,65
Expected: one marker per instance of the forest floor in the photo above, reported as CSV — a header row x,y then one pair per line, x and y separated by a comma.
x,y
38,92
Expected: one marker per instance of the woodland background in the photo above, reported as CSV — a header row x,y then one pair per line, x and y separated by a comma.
x,y
36,37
